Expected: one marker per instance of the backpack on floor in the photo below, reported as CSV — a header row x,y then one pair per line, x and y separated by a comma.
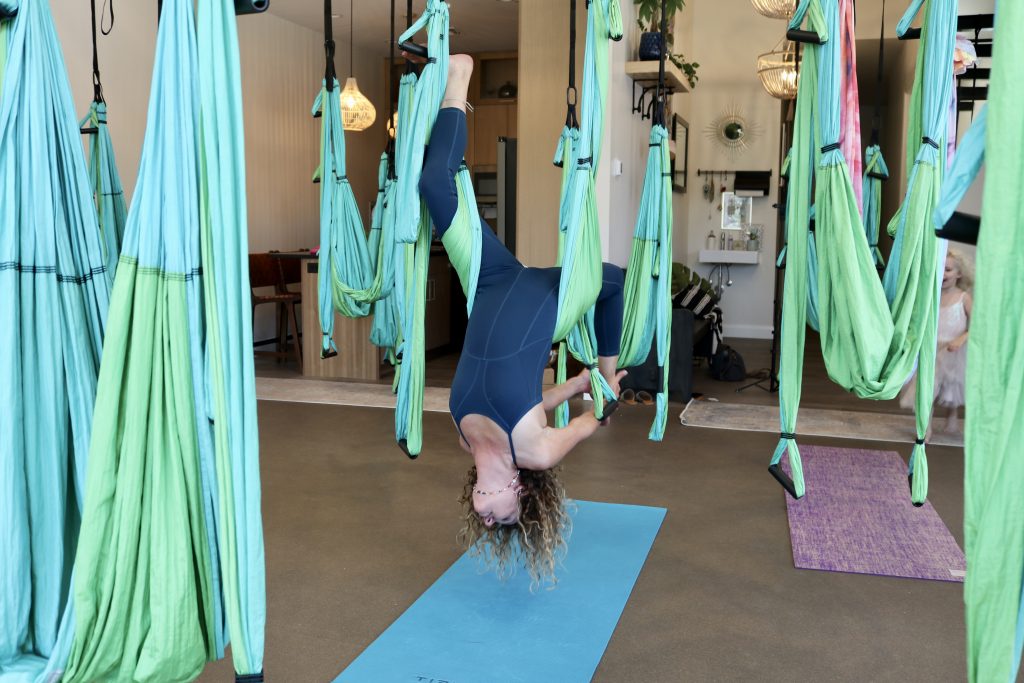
x,y
727,365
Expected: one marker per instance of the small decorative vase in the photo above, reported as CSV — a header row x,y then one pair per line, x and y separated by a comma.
x,y
753,245
650,46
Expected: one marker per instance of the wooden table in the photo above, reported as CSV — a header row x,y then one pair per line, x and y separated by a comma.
x,y
357,358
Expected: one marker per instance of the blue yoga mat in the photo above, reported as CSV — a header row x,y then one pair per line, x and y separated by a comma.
x,y
469,627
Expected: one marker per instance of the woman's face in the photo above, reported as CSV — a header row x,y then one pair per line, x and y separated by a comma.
x,y
951,275
500,508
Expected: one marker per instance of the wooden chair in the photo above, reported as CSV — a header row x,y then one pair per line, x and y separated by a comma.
x,y
266,271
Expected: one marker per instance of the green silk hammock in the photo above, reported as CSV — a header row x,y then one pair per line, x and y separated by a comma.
x,y
103,176
170,567
993,466
870,343
579,239
648,290
53,314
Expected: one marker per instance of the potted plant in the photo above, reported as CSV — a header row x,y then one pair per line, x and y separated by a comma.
x,y
649,21
754,239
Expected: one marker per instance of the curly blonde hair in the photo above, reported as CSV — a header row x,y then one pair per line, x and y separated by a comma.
x,y
966,268
538,539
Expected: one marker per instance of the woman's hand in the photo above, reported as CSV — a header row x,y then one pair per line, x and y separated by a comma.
x,y
581,382
414,58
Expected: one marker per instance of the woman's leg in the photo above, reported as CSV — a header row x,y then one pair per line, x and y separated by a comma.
x,y
608,322
444,159
447,146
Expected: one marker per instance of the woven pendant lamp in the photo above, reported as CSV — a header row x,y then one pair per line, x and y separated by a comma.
x,y
775,9
357,112
778,71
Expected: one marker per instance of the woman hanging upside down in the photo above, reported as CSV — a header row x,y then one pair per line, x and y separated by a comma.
x,y
512,492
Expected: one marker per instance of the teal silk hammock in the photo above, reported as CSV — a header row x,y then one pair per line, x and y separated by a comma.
x,y
53,313
870,341
169,568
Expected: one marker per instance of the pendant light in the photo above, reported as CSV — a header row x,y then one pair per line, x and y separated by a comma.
x,y
357,112
778,71
775,9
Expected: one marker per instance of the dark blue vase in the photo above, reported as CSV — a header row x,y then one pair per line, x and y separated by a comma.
x,y
650,46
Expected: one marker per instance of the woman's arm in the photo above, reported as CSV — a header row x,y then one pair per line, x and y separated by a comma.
x,y
566,390
557,443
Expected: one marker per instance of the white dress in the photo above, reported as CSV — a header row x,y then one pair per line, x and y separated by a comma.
x,y
950,366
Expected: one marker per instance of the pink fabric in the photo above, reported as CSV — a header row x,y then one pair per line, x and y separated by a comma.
x,y
849,117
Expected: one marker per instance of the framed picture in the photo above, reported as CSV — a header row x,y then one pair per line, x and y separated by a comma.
x,y
736,211
680,135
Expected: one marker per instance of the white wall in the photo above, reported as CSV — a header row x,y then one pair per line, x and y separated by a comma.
x,y
282,67
727,51
626,141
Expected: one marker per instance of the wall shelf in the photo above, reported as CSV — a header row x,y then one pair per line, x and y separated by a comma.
x,y
647,73
645,82
730,256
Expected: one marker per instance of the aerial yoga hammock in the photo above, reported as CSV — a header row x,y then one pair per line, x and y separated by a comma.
x,y
870,342
648,291
103,176
993,467
169,567
53,314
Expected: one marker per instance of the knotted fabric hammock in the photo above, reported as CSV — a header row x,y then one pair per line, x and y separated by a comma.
x,y
648,295
53,314
870,344
993,467
170,560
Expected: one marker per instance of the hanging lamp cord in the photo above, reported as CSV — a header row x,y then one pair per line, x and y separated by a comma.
x,y
329,71
351,36
97,85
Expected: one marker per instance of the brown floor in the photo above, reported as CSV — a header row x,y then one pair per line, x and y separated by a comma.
x,y
355,533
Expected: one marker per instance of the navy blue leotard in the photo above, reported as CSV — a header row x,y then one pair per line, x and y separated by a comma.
x,y
509,336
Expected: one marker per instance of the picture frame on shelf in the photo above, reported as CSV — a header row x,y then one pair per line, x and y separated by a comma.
x,y
736,211
680,136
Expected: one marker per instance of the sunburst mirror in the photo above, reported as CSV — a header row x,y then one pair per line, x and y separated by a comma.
x,y
733,131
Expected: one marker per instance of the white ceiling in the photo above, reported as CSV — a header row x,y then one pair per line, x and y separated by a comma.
x,y
480,25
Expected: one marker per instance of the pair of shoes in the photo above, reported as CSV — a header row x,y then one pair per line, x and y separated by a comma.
x,y
630,397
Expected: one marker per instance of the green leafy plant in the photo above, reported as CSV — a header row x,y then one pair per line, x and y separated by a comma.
x,y
649,19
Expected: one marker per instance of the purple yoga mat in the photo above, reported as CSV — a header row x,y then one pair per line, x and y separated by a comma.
x,y
856,516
